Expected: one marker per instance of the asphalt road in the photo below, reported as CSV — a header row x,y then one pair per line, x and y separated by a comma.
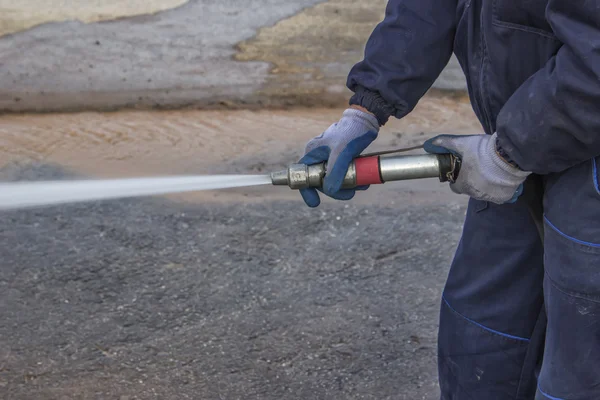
x,y
145,298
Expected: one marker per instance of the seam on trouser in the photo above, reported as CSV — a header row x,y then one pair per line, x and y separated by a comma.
x,y
506,335
595,175
571,238
547,395
567,292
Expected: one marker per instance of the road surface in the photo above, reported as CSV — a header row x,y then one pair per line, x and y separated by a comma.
x,y
200,53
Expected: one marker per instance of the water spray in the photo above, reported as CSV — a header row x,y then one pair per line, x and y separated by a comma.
x,y
35,194
365,170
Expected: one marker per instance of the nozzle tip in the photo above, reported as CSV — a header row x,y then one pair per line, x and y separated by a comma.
x,y
280,178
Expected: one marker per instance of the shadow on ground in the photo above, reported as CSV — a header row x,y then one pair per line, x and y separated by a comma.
x,y
140,299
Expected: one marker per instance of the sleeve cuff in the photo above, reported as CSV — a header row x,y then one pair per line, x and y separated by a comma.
x,y
505,156
373,102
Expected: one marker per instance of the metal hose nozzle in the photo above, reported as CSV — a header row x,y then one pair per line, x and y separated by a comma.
x,y
373,170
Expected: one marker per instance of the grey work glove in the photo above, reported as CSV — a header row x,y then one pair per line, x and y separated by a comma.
x,y
339,145
484,175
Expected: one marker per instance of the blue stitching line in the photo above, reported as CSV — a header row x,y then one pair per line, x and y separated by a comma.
x,y
547,395
551,225
595,173
484,327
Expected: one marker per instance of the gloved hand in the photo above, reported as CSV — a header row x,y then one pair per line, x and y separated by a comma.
x,y
484,175
339,145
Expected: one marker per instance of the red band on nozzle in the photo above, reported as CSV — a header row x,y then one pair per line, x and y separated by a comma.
x,y
367,171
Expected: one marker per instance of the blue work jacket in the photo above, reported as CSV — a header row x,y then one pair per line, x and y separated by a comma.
x,y
532,68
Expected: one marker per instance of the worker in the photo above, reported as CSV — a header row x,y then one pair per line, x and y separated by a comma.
x,y
519,319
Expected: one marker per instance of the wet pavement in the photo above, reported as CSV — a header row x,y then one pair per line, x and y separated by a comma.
x,y
201,54
240,294
143,299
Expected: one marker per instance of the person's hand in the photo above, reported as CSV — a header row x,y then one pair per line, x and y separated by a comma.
x,y
484,175
338,146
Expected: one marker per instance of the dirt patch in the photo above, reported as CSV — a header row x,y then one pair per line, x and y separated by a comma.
x,y
20,15
168,142
318,33
312,50
145,143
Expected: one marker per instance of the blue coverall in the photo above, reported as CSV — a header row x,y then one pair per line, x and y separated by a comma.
x,y
518,320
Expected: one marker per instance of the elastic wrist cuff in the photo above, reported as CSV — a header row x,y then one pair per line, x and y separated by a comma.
x,y
373,102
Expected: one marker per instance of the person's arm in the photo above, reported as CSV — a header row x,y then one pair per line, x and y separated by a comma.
x,y
552,121
404,56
